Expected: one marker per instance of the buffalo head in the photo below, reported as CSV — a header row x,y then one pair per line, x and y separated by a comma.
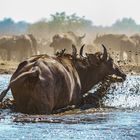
x,y
104,64
93,68
56,38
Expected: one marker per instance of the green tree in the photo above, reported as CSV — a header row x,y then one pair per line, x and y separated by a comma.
x,y
126,24
60,22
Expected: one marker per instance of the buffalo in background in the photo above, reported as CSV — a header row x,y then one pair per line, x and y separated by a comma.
x,y
44,46
65,41
121,46
17,47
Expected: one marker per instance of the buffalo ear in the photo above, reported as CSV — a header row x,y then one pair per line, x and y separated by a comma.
x,y
105,54
81,50
74,51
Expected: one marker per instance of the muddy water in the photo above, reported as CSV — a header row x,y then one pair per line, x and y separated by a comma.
x,y
120,119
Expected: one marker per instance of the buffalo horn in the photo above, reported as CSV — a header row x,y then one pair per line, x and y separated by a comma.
x,y
81,50
104,53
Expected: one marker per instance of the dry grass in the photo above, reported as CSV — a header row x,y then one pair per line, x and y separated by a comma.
x,y
8,67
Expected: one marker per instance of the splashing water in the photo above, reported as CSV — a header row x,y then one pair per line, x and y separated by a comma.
x,y
4,81
125,95
98,125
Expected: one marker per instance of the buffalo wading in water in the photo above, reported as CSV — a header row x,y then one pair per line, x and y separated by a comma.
x,y
43,84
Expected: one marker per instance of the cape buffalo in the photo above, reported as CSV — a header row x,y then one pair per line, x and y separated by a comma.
x,y
65,41
120,45
43,83
21,46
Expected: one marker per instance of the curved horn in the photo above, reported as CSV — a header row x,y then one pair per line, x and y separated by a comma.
x,y
82,36
81,50
104,53
74,51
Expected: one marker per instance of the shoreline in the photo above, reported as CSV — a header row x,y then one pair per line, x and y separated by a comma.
x,y
131,69
9,67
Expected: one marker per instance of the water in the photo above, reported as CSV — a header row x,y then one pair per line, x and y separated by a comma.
x,y
120,120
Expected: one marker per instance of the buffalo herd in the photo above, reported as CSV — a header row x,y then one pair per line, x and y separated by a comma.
x,y
120,46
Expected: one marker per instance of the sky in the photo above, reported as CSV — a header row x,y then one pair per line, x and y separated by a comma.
x,y
101,12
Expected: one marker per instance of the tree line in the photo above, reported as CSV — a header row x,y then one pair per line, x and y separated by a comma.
x,y
61,22
9,26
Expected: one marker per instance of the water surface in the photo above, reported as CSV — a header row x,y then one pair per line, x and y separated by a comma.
x,y
120,120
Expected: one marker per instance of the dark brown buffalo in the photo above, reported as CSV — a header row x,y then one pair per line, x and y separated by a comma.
x,y
65,41
43,84
20,47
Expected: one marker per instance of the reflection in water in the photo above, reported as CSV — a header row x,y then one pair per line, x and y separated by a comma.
x,y
121,122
